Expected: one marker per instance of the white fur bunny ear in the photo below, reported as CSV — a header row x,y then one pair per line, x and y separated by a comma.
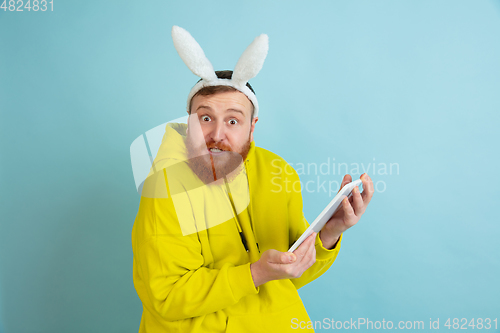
x,y
192,54
251,61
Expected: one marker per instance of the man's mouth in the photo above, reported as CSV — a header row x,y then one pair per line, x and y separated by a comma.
x,y
215,151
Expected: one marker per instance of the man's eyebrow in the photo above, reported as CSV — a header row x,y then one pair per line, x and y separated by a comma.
x,y
236,110
203,107
209,108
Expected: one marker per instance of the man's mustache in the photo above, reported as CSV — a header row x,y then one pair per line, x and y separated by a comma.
x,y
219,145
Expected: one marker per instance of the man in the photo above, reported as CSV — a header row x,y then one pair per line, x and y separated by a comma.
x,y
212,231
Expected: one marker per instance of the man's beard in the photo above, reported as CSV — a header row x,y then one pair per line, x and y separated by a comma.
x,y
210,168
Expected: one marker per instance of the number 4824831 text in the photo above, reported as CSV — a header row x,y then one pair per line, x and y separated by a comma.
x,y
28,6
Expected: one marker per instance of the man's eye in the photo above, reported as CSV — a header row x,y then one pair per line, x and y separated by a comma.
x,y
233,121
205,118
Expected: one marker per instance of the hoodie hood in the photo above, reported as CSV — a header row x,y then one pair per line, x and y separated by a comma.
x,y
173,146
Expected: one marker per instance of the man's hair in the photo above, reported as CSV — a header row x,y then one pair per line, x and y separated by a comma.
x,y
212,90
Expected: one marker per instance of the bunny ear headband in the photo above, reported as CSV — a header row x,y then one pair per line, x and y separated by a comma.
x,y
249,64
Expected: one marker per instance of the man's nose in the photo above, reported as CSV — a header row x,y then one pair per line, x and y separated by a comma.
x,y
218,132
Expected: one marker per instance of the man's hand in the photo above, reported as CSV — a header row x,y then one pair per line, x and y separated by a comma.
x,y
276,265
351,211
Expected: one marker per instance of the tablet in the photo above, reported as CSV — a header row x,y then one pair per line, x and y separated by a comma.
x,y
327,213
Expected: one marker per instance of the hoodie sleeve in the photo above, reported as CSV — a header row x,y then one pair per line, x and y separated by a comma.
x,y
298,224
170,274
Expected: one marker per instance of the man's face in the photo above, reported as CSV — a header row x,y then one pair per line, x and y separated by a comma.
x,y
219,134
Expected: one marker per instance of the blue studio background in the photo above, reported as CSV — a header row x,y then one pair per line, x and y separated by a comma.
x,y
408,86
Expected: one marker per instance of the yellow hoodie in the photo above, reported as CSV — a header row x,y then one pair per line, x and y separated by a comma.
x,y
201,281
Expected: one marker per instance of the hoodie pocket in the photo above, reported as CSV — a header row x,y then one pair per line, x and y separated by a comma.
x,y
284,321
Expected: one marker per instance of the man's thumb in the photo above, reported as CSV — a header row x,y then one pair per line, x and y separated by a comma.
x,y
278,257
287,257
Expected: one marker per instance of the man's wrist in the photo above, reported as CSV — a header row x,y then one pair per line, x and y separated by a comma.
x,y
256,276
328,242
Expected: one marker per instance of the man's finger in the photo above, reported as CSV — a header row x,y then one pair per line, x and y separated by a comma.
x,y
302,249
348,210
367,188
305,262
347,179
357,202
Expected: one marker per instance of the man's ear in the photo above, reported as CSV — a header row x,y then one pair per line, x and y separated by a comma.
x,y
252,128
